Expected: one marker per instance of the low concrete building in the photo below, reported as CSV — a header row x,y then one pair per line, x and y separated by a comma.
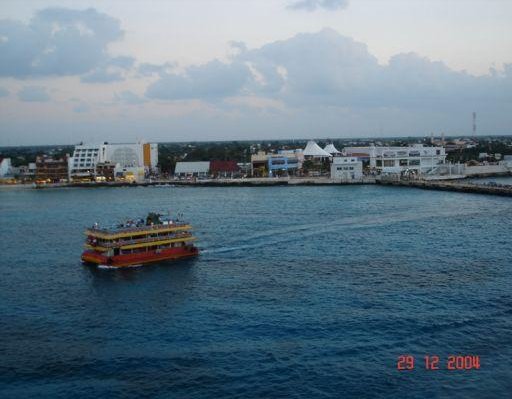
x,y
346,168
24,172
192,169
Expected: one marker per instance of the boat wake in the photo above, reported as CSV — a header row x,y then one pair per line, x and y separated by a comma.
x,y
109,267
229,249
291,233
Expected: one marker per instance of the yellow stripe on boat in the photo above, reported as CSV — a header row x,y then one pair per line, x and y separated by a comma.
x,y
149,244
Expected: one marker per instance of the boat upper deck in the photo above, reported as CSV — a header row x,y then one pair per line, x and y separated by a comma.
x,y
136,231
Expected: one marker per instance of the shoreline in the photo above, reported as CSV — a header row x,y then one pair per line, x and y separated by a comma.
x,y
455,185
252,182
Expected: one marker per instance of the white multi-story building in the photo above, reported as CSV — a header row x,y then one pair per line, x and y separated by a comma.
x,y
396,160
83,162
136,159
346,168
5,167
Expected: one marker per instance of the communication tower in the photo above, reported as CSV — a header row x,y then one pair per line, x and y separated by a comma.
x,y
474,124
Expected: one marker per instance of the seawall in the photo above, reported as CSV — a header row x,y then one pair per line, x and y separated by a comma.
x,y
458,186
251,182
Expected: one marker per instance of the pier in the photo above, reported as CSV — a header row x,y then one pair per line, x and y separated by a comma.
x,y
451,185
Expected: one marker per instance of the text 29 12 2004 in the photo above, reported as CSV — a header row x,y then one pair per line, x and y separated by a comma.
x,y
435,362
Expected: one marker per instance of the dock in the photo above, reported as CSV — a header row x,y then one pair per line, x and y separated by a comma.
x,y
451,185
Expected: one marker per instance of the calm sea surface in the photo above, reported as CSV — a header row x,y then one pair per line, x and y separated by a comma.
x,y
303,292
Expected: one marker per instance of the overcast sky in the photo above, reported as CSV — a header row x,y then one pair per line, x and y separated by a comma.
x,y
90,71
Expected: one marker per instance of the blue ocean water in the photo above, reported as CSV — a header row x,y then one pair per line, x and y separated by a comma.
x,y
302,292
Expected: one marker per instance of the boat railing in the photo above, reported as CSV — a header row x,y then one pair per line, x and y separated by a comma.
x,y
136,228
121,243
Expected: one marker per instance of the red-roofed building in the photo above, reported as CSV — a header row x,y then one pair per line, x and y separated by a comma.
x,y
224,168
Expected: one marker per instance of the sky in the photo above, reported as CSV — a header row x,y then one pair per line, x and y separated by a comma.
x,y
183,70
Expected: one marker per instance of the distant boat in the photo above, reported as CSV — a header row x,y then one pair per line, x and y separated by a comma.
x,y
139,242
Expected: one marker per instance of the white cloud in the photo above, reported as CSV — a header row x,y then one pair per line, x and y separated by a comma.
x,y
128,97
148,69
58,42
313,5
33,94
208,82
328,69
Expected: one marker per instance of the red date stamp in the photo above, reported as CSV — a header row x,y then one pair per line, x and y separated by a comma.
x,y
435,362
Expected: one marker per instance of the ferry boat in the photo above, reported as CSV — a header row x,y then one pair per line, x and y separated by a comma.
x,y
139,242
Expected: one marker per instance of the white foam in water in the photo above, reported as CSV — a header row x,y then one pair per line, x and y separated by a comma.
x,y
228,249
105,267
288,234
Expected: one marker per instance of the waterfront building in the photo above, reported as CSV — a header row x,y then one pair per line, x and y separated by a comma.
x,y
346,168
224,169
5,167
82,165
135,159
244,168
507,161
52,170
396,160
285,162
272,164
192,169
27,171
23,172
455,145
259,162
106,171
313,151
